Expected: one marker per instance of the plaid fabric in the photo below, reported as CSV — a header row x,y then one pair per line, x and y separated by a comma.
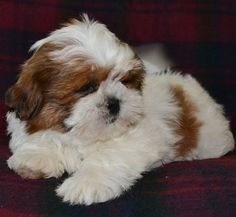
x,y
201,40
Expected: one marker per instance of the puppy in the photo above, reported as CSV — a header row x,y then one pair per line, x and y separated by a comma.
x,y
85,104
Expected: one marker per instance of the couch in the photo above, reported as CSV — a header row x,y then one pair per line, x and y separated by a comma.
x,y
200,39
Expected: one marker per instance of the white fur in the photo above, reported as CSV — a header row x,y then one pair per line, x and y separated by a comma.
x,y
90,115
104,158
103,170
99,46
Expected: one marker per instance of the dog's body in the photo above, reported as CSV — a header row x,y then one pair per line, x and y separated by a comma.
x,y
107,133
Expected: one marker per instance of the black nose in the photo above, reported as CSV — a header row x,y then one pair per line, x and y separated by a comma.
x,y
113,106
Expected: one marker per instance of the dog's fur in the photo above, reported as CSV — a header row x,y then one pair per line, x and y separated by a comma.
x,y
84,103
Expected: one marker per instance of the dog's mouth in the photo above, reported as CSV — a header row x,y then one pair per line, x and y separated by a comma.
x,y
111,119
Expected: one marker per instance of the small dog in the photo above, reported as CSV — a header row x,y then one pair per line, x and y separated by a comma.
x,y
86,104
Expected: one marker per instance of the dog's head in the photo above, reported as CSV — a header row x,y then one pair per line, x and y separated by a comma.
x,y
81,79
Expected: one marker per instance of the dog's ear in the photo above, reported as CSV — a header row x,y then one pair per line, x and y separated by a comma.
x,y
25,100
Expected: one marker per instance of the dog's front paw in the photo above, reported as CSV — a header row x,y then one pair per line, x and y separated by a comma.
x,y
24,171
88,190
34,165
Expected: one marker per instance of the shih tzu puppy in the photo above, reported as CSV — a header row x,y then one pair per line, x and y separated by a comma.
x,y
86,104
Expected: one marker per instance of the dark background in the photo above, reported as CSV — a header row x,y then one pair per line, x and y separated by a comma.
x,y
199,37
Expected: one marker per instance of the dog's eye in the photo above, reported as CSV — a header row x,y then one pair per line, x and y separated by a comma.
x,y
87,89
127,81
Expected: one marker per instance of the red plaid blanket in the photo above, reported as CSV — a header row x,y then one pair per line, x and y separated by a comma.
x,y
201,40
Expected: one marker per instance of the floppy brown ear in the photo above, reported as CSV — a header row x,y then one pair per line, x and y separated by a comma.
x,y
25,101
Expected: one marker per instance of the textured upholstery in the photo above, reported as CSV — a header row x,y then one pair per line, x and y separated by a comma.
x,y
200,38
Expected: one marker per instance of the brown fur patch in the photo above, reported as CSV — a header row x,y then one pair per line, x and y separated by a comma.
x,y
46,91
134,79
188,126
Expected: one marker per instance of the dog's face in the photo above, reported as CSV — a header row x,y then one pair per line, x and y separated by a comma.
x,y
80,80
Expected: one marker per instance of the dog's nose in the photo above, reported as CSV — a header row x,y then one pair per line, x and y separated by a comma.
x,y
113,106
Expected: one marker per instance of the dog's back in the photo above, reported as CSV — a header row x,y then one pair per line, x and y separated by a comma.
x,y
199,121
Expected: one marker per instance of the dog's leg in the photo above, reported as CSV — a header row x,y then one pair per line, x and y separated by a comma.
x,y
103,176
36,162
96,184
42,156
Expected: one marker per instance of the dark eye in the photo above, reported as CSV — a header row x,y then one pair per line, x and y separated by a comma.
x,y
87,89
126,81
